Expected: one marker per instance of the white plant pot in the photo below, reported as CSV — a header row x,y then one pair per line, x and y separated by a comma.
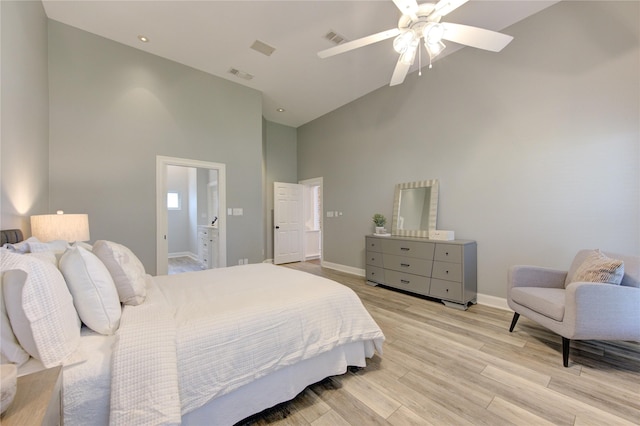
x,y
380,230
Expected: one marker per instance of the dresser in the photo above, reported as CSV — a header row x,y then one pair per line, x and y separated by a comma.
x,y
445,270
208,246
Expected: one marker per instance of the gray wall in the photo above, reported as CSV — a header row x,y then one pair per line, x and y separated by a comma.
x,y
536,148
24,137
281,166
113,109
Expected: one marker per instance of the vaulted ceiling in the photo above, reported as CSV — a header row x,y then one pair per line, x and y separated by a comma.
x,y
217,36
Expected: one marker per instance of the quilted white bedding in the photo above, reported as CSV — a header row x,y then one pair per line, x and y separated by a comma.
x,y
202,335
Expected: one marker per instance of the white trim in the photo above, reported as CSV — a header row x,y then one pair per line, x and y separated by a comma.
x,y
493,301
343,268
483,299
162,162
182,254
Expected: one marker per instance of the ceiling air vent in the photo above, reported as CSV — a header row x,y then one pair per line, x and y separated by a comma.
x,y
240,74
263,48
335,37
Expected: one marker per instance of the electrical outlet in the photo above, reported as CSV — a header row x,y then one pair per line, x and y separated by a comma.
x,y
246,261
240,261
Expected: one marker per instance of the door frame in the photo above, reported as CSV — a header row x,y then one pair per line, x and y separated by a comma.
x,y
162,220
314,182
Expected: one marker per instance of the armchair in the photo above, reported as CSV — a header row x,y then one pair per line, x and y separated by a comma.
x,y
576,309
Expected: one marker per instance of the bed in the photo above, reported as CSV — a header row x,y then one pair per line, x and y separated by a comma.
x,y
208,347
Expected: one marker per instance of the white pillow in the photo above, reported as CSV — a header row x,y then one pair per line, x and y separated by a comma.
x,y
47,256
10,349
126,270
41,310
22,246
56,246
94,292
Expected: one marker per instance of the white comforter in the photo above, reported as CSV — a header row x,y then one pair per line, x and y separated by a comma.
x,y
201,335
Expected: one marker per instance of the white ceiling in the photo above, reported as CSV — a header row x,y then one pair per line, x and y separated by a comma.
x,y
214,36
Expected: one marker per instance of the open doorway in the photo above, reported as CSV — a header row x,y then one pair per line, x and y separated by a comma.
x,y
312,204
191,202
192,214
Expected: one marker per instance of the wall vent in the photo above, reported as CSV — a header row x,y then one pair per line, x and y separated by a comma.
x,y
335,37
240,74
263,48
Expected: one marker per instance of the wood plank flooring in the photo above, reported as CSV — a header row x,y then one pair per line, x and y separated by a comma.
x,y
181,264
442,366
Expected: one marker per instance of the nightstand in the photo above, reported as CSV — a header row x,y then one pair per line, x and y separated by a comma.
x,y
38,400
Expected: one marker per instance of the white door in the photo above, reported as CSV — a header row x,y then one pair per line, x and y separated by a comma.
x,y
287,222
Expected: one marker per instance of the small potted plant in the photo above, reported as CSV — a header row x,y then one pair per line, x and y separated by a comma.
x,y
379,220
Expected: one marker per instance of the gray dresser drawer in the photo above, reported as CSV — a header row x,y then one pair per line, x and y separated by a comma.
x,y
410,265
448,253
375,274
447,271
447,290
408,282
374,244
408,248
374,258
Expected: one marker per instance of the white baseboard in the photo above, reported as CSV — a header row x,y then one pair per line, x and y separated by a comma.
x,y
493,301
183,254
343,268
483,299
267,261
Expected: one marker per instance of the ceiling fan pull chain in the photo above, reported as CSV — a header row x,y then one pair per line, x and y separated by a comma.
x,y
419,61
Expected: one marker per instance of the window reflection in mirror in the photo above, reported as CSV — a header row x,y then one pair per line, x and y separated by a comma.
x,y
415,208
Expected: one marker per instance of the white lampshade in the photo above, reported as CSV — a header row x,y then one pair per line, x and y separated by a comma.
x,y
67,227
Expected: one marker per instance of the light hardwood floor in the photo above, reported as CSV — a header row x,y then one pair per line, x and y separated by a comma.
x,y
442,366
183,264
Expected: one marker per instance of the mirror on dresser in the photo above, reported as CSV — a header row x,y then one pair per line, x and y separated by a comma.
x,y
415,208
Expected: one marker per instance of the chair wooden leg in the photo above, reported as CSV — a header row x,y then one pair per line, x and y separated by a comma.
x,y
514,321
565,351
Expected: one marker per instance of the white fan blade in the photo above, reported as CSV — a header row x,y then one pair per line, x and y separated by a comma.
x,y
400,72
361,42
475,37
407,7
445,6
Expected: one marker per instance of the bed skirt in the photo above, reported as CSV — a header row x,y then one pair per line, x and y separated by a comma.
x,y
280,386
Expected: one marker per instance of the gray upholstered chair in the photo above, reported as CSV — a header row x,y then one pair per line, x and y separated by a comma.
x,y
574,309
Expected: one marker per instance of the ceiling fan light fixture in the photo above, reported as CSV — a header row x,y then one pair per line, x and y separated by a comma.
x,y
410,54
434,49
405,40
433,33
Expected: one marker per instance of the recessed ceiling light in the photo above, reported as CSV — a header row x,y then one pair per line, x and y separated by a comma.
x,y
280,110
143,39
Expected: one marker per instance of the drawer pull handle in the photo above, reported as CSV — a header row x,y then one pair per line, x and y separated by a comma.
x,y
406,265
447,290
407,282
446,254
446,272
404,248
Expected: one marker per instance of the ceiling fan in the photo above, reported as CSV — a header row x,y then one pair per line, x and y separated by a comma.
x,y
422,21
